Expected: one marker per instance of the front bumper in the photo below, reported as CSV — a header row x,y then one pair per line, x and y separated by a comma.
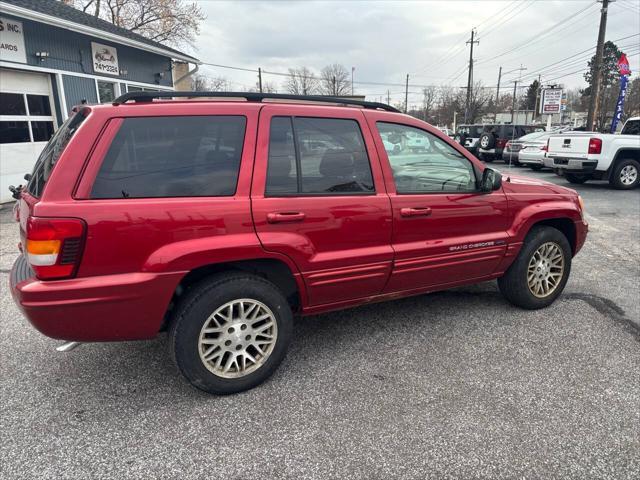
x,y
129,306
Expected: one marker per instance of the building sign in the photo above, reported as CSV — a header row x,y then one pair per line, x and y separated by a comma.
x,y
12,41
551,100
105,59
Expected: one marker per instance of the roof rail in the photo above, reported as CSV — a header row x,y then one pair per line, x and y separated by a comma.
x,y
250,97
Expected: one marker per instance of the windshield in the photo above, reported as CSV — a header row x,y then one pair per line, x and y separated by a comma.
x,y
52,151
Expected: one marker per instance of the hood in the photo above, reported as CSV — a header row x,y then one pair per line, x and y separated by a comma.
x,y
521,184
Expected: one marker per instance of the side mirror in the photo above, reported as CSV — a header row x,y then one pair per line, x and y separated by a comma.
x,y
491,180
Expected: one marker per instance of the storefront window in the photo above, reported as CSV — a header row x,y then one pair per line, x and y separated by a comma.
x,y
12,104
25,118
106,91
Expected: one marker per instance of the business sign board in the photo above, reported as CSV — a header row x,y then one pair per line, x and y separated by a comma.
x,y
12,41
551,100
105,59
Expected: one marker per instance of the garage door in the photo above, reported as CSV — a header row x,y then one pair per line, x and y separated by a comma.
x,y
26,124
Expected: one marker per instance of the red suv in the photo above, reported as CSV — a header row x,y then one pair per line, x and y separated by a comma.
x,y
219,220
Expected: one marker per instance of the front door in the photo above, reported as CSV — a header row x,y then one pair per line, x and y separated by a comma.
x,y
318,196
445,231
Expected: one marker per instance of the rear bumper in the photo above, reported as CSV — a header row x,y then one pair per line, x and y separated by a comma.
x,y
128,306
531,160
572,165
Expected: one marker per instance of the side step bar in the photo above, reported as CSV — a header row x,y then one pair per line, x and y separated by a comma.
x,y
68,346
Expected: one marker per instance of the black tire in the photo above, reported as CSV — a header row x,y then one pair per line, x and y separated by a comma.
x,y
537,168
576,178
616,179
486,157
487,141
513,284
194,310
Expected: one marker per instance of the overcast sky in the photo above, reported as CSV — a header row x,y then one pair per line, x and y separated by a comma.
x,y
386,40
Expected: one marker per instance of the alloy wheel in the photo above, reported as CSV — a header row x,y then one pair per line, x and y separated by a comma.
x,y
628,175
545,269
237,338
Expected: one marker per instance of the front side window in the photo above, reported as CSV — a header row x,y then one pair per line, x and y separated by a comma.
x,y
632,127
178,156
423,163
317,156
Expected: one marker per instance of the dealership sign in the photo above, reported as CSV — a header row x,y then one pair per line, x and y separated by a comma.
x,y
105,59
551,100
12,41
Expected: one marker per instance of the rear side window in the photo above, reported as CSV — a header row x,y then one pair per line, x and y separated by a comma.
x,y
317,156
178,156
632,127
52,150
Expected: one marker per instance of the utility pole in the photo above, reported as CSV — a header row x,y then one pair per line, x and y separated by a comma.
x,y
260,79
353,69
538,91
513,101
470,77
498,87
333,79
388,97
406,95
594,98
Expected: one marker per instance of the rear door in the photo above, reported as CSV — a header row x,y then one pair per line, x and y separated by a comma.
x,y
318,196
444,230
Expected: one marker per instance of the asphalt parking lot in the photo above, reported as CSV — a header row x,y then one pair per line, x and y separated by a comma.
x,y
450,385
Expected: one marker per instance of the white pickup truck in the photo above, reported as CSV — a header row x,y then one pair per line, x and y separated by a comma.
x,y
582,156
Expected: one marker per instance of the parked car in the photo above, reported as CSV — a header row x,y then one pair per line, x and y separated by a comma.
x,y
511,151
494,138
582,156
447,131
207,220
468,136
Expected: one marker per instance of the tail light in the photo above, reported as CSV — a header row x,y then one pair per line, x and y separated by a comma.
x,y
545,148
501,142
595,145
54,246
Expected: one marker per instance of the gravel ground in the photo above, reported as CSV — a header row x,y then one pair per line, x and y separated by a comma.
x,y
451,385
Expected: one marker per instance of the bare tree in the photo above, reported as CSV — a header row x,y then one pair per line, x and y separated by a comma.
x,y
301,81
428,101
174,22
334,80
202,83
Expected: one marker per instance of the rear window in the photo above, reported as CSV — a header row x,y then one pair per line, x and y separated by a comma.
x,y
52,151
178,156
632,127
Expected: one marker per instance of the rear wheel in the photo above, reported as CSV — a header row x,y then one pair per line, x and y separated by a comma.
x,y
625,175
577,178
541,270
230,333
536,167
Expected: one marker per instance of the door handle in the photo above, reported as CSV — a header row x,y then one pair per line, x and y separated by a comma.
x,y
415,212
280,217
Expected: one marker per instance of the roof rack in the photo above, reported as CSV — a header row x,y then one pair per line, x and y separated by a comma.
x,y
250,97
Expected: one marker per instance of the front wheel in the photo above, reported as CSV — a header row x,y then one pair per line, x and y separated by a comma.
x,y
625,175
230,333
537,168
576,178
541,270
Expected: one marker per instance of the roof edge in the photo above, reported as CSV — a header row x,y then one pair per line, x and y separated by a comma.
x,y
11,9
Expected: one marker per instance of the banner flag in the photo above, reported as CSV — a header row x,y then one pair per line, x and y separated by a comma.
x,y
623,68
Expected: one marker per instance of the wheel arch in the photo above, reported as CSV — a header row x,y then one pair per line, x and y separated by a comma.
x,y
566,226
623,154
272,269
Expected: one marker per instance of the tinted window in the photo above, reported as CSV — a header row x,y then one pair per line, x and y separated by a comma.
x,y
423,163
42,131
106,92
39,105
631,128
12,104
172,157
51,152
317,156
14,132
